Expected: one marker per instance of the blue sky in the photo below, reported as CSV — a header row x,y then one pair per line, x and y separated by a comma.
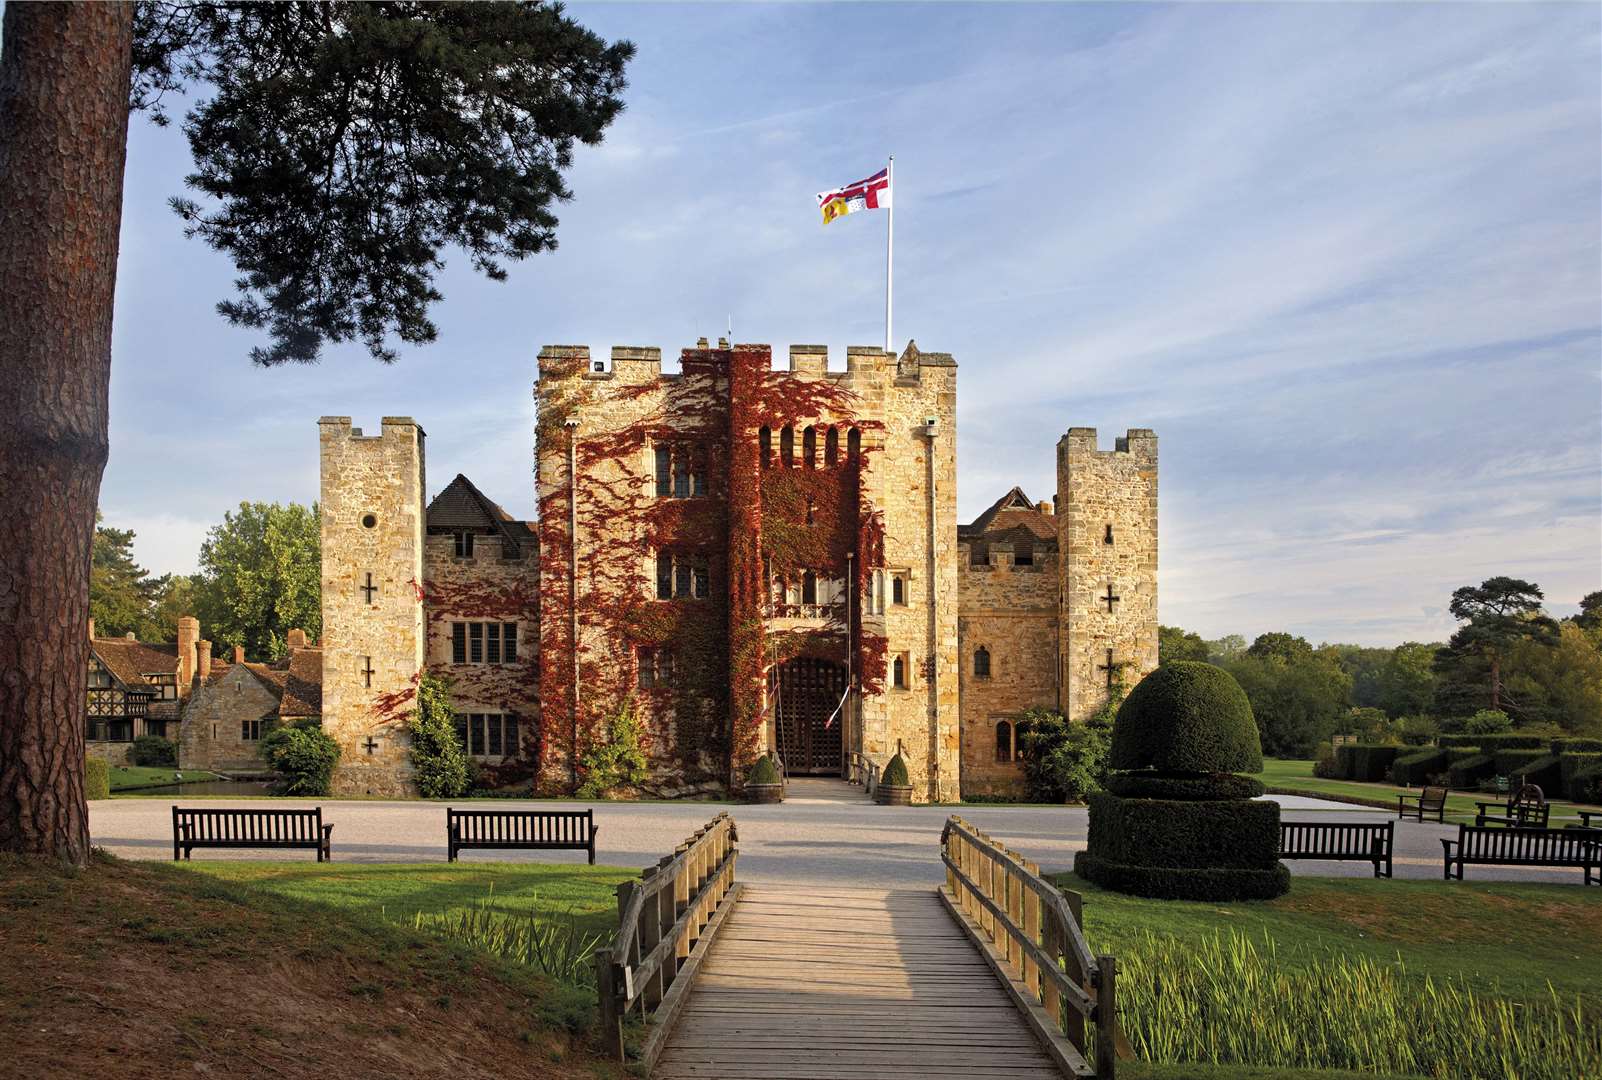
x,y
1343,258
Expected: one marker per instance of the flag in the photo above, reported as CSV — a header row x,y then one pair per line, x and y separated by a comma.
x,y
870,194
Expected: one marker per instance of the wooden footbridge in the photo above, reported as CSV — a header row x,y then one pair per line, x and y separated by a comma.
x,y
988,977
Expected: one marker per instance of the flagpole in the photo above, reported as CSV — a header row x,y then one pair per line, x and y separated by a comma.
x,y
889,252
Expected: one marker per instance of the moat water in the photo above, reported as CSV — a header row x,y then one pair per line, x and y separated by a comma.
x,y
209,787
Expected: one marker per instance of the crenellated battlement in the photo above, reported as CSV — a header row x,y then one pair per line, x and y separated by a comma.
x,y
1081,442
642,364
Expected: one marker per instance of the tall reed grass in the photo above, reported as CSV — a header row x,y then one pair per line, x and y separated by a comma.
x,y
558,948
1229,1000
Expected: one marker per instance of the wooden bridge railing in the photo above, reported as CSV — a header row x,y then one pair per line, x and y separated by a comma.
x,y
665,920
1035,934
861,769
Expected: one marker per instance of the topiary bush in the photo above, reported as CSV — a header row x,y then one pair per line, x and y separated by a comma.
x,y
1175,823
1576,746
763,771
439,761
1187,716
153,750
303,756
1418,768
1576,771
1365,761
895,773
1506,740
1466,773
96,778
1545,772
1206,788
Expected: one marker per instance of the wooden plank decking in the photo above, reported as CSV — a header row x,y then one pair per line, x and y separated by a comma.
x,y
807,984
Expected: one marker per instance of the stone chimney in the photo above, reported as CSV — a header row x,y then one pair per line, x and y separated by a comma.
x,y
1044,507
296,639
203,659
91,629
239,654
188,636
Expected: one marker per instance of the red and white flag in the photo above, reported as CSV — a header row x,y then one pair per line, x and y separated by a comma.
x,y
870,194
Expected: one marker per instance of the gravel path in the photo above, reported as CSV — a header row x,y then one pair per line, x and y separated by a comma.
x,y
826,833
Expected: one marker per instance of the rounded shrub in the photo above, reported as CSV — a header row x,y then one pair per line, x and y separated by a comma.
x,y
895,773
96,778
153,750
303,756
1206,788
1187,717
763,771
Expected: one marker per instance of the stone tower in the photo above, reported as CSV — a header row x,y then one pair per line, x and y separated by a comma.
x,y
1107,567
372,573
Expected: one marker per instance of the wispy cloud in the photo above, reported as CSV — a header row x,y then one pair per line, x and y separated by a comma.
x,y
1344,258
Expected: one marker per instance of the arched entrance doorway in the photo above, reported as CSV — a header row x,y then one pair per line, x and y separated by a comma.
x,y
809,732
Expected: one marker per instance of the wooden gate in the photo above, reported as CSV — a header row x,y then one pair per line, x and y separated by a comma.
x,y
809,692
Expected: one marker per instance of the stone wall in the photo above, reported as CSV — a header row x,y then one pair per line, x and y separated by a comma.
x,y
488,587
212,736
372,534
1107,536
618,415
1009,611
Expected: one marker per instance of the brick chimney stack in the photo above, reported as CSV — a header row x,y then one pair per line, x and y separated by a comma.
x,y
188,637
297,640
203,659
239,654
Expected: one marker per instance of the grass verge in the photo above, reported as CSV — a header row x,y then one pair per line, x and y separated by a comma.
x,y
135,776
144,969
1285,777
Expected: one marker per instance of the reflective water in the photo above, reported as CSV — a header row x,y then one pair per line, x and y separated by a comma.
x,y
210,787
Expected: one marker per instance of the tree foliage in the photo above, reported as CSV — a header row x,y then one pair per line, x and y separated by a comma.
x,y
261,577
121,592
1298,702
343,145
439,761
1497,614
1174,643
1065,762
618,760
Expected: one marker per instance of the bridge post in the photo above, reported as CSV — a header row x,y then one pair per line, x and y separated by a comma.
x,y
1107,1019
606,980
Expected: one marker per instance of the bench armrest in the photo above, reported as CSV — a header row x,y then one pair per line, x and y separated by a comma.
x,y
1483,805
328,828
1447,845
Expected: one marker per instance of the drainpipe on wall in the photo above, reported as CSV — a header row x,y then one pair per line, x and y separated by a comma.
x,y
571,424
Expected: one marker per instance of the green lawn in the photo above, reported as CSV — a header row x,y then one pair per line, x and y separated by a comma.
x,y
1509,935
130,776
400,890
1296,777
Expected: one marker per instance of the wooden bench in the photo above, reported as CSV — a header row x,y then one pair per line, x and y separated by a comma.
x,y
1526,810
1339,841
523,830
1432,800
277,828
1488,846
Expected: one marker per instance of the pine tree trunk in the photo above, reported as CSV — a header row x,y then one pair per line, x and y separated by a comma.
x,y
64,71
1496,682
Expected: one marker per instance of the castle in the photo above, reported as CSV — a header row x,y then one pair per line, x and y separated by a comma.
x,y
750,560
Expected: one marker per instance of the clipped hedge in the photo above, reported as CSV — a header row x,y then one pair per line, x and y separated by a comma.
x,y
1577,746
96,778
1186,716
1159,883
1189,787
1544,772
1461,753
1411,769
1466,774
1514,762
1577,770
1366,761
1237,834
1500,741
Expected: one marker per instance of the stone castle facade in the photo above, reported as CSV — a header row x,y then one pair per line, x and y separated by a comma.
x,y
743,560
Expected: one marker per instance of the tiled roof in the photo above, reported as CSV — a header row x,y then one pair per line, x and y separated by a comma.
x,y
1012,517
462,506
129,661
297,682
